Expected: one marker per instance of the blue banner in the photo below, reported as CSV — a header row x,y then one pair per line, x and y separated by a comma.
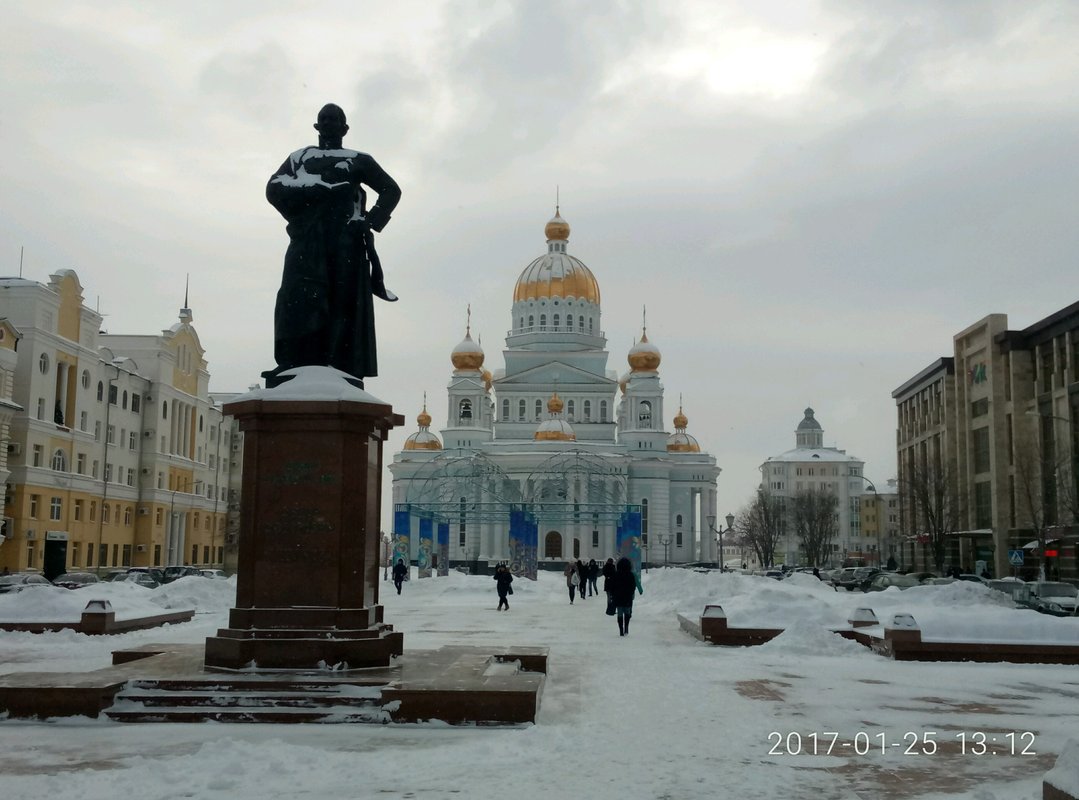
x,y
443,548
402,539
523,539
628,539
423,554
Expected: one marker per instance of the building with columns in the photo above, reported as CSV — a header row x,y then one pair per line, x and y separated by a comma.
x,y
116,456
558,432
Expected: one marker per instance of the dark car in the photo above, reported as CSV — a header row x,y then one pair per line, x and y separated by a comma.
x,y
855,578
75,580
20,581
886,580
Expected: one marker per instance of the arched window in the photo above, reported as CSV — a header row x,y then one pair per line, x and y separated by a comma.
x,y
602,410
590,325
531,321
93,510
587,408
100,391
580,323
552,545
644,415
521,407
465,409
104,512
678,520
521,322
570,409
505,410
539,409
43,364
59,461
164,410
556,320
124,400
127,515
86,379
543,322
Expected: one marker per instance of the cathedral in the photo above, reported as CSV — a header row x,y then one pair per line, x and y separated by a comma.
x,y
557,435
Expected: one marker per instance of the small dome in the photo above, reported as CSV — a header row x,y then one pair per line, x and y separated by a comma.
x,y
424,419
680,441
555,430
557,228
555,404
467,354
809,423
680,420
644,356
422,440
488,380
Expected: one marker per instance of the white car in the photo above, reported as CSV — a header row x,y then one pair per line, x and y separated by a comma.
x,y
1063,594
214,573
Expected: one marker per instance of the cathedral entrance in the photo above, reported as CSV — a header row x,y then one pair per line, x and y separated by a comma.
x,y
552,545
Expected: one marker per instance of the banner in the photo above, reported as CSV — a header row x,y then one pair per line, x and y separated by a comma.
x,y
443,548
402,539
628,539
523,539
423,554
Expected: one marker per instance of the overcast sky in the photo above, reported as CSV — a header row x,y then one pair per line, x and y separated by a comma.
x,y
811,198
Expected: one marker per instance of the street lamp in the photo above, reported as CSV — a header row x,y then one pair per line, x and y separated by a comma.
x,y
711,518
665,540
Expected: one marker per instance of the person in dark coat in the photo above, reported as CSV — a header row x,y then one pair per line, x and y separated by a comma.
x,y
593,574
572,579
503,579
623,585
582,579
400,570
608,574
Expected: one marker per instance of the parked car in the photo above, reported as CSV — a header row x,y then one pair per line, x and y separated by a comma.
x,y
220,573
20,581
886,580
75,580
970,576
175,571
140,577
855,578
843,576
1024,597
1062,594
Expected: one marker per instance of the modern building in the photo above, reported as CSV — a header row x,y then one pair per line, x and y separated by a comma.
x,y
812,466
116,454
999,419
558,432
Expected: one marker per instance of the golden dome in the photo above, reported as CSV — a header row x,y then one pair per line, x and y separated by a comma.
x,y
423,439
680,420
555,404
557,228
424,419
467,354
623,382
488,380
682,443
555,430
644,356
556,273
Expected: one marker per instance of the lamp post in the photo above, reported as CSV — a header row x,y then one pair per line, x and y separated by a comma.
x,y
665,540
711,518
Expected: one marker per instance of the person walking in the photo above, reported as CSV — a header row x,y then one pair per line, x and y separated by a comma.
x,y
623,585
608,575
593,574
582,579
399,573
572,579
503,579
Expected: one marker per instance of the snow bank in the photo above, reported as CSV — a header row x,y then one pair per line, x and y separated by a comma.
x,y
807,638
1065,775
53,604
205,595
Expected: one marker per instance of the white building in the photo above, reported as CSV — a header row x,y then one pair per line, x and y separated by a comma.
x,y
811,465
559,432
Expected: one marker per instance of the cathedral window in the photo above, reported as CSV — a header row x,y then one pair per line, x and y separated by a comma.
x,y
521,322
531,321
678,520
602,410
590,325
100,391
556,321
644,415
505,410
543,322
521,411
587,410
580,323
570,408
539,409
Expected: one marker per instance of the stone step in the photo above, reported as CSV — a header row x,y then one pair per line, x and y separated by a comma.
x,y
245,684
349,715
151,698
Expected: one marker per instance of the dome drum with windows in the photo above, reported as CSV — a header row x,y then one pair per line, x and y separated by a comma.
x,y
423,439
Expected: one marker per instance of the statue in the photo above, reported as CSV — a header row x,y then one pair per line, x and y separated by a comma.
x,y
325,311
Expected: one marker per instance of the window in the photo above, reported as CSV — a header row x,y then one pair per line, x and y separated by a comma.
x,y
127,515
602,410
38,454
983,505
112,393
164,410
157,555
678,539
644,414
89,555
979,408
100,391
678,520
102,555
580,323
531,321
465,410
108,473
43,364
543,322
586,410
595,538
74,554
127,555
78,511
56,509
556,320
105,512
158,516
59,461
84,420
123,404
133,440
110,434
539,409
41,408
521,407
116,555
130,477
505,410
93,511
570,410
980,444
136,402
86,379
34,500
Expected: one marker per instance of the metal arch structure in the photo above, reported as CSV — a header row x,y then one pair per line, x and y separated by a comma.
x,y
571,486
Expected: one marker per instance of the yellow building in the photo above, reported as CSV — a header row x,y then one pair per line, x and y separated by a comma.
x,y
116,454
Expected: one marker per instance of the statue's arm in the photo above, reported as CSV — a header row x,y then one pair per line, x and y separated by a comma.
x,y
389,193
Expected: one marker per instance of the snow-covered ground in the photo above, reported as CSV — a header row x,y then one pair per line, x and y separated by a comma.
x,y
656,714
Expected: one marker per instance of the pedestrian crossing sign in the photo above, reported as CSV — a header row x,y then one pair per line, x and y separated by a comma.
x,y
1015,558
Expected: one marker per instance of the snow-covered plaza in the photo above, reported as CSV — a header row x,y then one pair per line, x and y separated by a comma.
x,y
656,714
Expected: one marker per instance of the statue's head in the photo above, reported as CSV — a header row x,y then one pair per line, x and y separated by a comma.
x,y
331,122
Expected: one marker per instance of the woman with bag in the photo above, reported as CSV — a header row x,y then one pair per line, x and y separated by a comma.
x,y
503,579
572,579
623,585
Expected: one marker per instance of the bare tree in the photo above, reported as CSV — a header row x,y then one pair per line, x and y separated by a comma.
x,y
813,515
1043,491
760,526
932,488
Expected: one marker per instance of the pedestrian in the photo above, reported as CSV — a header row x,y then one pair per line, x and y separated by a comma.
x,y
572,579
400,571
582,579
593,574
623,585
816,573
503,579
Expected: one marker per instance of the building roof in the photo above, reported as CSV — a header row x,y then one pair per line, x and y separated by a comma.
x,y
801,454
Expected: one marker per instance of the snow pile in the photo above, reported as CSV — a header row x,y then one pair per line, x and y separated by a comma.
x,y
1065,775
205,595
807,638
53,604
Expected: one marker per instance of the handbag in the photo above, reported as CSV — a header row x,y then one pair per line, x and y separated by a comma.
x,y
610,607
573,579
509,590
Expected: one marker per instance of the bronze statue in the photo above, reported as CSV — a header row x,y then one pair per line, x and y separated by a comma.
x,y
325,311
